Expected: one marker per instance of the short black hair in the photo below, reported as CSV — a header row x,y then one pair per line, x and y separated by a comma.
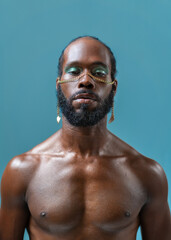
x,y
112,58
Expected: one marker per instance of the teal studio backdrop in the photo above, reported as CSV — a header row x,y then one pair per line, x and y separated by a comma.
x,y
33,34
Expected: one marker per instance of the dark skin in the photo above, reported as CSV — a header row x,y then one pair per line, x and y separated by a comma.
x,y
84,183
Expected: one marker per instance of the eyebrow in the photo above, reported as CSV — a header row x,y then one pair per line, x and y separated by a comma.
x,y
100,63
78,64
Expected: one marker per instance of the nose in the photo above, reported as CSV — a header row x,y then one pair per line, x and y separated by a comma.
x,y
86,82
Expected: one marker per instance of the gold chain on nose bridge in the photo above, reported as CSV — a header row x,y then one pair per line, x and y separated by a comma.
x,y
89,74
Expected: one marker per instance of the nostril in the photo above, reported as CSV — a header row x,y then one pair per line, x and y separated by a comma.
x,y
89,86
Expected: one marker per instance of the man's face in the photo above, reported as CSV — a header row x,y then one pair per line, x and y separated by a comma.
x,y
86,101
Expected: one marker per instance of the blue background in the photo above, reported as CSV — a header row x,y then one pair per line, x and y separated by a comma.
x,y
33,34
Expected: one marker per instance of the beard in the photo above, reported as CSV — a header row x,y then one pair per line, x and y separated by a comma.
x,y
84,117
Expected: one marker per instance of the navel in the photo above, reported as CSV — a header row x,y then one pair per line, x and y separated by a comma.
x,y
127,214
43,214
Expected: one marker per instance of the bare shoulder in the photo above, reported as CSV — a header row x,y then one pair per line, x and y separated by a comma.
x,y
18,173
149,172
21,169
152,176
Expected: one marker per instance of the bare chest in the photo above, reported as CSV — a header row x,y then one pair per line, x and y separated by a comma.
x,y
63,196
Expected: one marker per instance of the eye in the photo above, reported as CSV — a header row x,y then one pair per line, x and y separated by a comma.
x,y
73,70
99,71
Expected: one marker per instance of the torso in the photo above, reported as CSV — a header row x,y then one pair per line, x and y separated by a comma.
x,y
70,198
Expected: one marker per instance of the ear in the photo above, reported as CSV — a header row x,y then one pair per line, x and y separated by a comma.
x,y
57,83
115,86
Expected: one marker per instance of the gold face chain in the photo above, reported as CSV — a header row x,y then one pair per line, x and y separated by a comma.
x,y
89,74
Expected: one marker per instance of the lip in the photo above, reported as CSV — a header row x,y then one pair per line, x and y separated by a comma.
x,y
85,96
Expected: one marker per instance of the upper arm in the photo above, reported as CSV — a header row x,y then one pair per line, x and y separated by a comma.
x,y
155,216
14,213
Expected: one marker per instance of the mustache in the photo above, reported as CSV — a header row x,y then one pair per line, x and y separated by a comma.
x,y
88,91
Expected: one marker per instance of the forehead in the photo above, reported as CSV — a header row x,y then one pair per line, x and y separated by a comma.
x,y
86,51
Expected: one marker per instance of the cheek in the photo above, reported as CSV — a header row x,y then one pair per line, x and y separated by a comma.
x,y
67,90
104,91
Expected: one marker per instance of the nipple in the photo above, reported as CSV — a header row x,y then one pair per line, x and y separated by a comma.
x,y
42,214
127,214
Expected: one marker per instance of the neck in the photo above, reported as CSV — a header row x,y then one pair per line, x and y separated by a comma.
x,y
84,140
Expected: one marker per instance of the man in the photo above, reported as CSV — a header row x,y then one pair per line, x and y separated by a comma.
x,y
84,183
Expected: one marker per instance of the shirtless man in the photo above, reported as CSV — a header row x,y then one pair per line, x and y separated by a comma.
x,y
84,183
